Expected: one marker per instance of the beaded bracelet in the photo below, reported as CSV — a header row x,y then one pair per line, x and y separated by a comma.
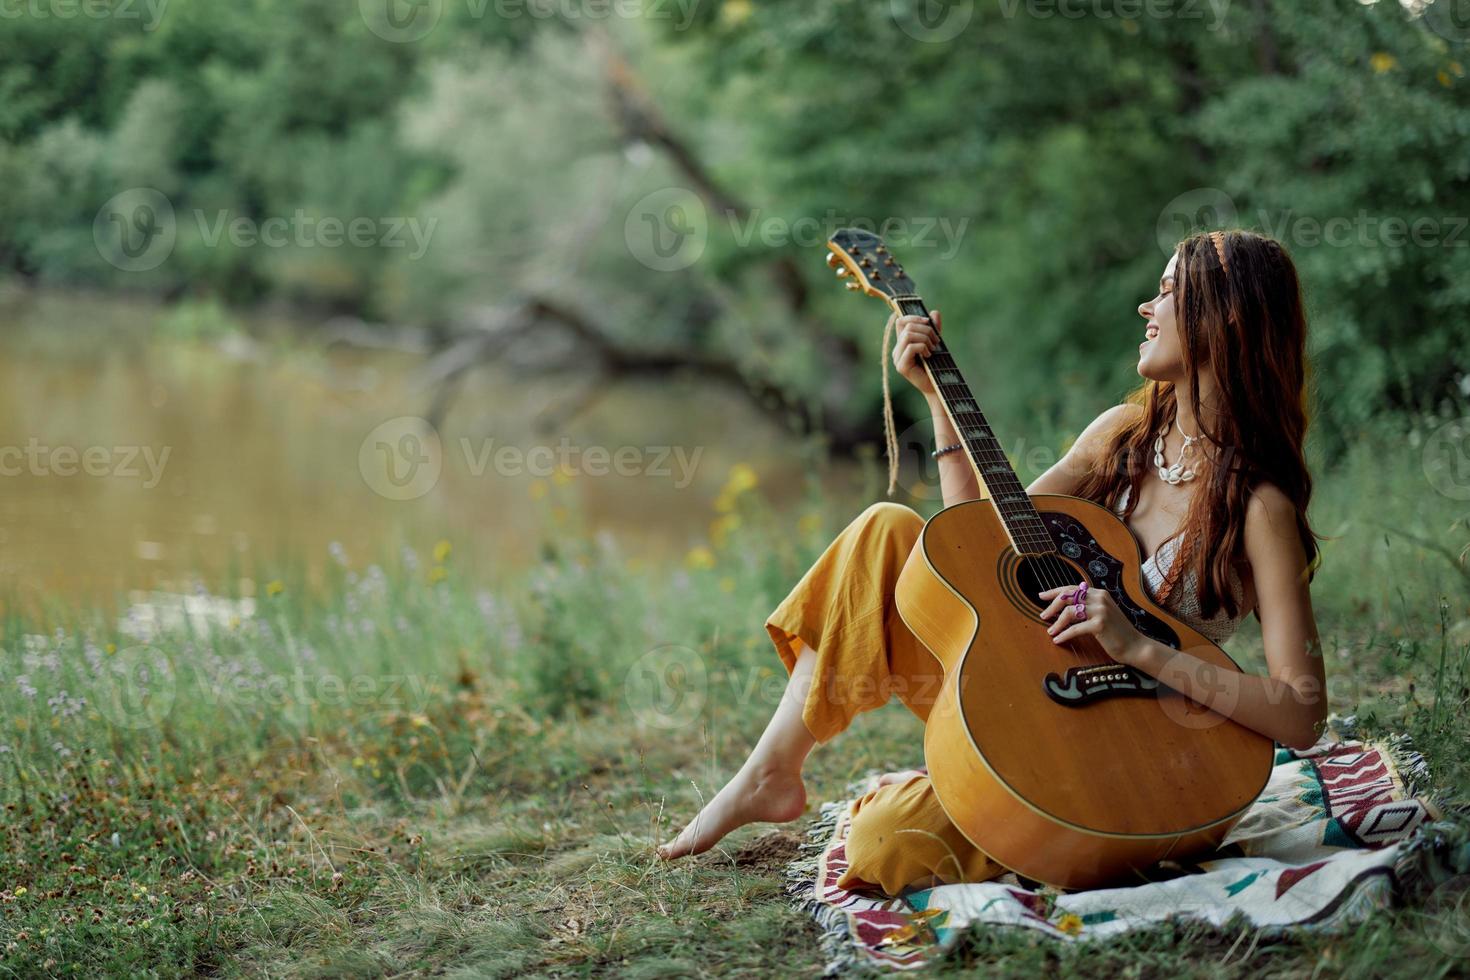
x,y
947,449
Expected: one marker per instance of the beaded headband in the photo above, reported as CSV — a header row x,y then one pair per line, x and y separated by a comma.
x,y
1218,237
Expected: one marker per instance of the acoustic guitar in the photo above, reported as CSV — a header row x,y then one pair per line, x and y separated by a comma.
x,y
1060,763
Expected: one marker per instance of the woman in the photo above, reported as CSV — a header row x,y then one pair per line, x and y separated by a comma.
x,y
1207,452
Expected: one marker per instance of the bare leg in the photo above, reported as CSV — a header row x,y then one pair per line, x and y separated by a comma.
x,y
768,786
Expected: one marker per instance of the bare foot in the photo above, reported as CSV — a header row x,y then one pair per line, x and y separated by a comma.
x,y
898,777
748,797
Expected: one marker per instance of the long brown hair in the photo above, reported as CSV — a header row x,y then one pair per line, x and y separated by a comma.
x,y
1249,323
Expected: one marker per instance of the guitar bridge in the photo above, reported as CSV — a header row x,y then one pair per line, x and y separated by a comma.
x,y
1084,685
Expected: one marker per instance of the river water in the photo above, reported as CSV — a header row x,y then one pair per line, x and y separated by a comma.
x,y
137,455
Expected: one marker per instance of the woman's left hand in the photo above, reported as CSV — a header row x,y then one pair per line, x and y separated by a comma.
x,y
1103,620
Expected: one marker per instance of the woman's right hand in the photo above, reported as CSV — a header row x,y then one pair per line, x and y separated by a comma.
x,y
917,337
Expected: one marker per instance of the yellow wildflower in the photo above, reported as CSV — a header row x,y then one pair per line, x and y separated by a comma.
x,y
735,12
742,478
700,557
438,574
111,648
442,550
358,762
1070,923
21,891
719,530
1382,61
275,587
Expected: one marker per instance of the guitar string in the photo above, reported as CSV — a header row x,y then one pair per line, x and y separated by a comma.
x,y
1049,569
1052,571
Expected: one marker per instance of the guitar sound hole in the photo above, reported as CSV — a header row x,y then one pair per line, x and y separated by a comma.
x,y
1035,575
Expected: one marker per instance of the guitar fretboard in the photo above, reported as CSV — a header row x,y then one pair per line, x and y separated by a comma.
x,y
1024,525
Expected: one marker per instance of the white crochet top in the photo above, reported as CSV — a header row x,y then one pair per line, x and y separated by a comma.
x,y
1184,602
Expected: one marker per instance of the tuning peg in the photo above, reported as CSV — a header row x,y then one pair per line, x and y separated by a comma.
x,y
866,263
832,260
881,249
842,271
854,287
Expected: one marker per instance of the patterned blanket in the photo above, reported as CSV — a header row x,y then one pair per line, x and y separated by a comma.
x,y
1341,829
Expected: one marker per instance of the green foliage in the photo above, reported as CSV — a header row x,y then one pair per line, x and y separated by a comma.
x,y
1041,164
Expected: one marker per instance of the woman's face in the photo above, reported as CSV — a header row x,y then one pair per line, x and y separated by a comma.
x,y
1161,355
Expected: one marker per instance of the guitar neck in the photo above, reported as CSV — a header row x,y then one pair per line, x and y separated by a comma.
x,y
1024,525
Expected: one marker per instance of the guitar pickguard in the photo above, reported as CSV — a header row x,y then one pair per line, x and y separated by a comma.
x,y
1083,685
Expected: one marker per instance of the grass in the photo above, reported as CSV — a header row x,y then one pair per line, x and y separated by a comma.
x,y
427,769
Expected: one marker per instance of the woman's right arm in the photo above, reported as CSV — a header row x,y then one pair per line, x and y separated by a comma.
x,y
958,481
917,337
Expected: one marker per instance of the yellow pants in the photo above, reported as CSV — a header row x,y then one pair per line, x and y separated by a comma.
x,y
843,609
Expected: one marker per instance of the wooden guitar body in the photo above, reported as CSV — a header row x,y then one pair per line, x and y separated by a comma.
x,y
1059,763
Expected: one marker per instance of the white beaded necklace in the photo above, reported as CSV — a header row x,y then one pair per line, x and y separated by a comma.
x,y
1177,473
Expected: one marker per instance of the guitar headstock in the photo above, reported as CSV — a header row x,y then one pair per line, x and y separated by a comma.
x,y
864,261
